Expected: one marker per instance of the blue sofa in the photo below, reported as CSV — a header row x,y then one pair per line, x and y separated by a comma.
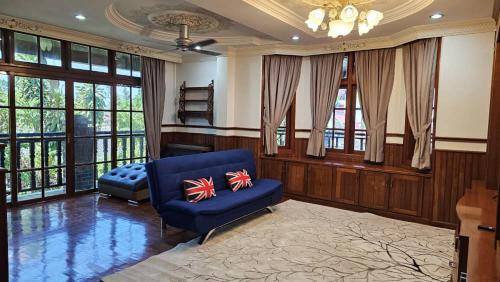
x,y
165,181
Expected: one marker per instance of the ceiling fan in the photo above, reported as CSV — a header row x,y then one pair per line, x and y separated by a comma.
x,y
184,43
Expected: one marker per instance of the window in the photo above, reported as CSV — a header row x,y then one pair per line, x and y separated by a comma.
x,y
80,59
37,50
346,131
128,65
286,131
99,59
130,125
5,130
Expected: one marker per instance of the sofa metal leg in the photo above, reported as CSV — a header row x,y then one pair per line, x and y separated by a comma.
x,y
270,209
163,227
133,203
205,237
103,195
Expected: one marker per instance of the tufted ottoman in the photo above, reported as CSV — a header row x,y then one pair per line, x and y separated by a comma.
x,y
129,182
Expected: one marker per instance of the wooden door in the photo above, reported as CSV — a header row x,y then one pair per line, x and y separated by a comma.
x,y
346,186
405,194
373,190
296,178
320,182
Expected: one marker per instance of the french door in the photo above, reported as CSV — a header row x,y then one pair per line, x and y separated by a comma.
x,y
61,134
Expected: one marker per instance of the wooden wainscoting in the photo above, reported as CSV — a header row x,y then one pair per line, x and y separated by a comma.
x,y
404,193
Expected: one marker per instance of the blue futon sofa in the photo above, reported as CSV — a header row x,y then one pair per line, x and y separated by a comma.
x,y
165,180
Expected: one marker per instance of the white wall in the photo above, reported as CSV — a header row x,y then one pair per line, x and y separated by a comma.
x,y
463,97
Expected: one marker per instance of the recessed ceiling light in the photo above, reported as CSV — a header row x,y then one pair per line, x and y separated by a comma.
x,y
437,16
80,17
197,47
295,37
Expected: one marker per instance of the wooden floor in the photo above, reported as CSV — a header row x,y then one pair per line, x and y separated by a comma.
x,y
83,238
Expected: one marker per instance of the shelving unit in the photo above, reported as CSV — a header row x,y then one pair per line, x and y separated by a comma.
x,y
184,100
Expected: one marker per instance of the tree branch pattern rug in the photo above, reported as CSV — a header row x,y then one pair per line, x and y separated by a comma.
x,y
306,242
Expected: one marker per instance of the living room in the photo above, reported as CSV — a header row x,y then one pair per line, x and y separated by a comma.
x,y
284,140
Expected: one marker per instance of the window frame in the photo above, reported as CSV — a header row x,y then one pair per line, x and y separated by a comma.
x,y
350,84
109,73
12,47
288,149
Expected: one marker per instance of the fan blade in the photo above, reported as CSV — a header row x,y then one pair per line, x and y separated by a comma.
x,y
202,43
211,53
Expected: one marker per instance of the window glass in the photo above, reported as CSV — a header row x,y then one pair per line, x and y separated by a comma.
x,y
359,127
281,133
123,98
123,64
50,52
99,59
345,63
80,57
27,91
136,66
25,48
336,127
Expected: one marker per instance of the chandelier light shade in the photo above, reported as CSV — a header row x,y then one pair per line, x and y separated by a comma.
x,y
342,18
315,19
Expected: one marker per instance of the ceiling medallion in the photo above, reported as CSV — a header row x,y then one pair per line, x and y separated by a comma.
x,y
341,17
171,19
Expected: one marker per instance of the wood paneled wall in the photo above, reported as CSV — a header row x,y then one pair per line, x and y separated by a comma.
x,y
453,171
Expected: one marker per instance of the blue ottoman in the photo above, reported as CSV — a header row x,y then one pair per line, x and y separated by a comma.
x,y
128,182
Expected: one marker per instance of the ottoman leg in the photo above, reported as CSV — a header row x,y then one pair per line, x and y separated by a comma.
x,y
163,227
133,203
205,237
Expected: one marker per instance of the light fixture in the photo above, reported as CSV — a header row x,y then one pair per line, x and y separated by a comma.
x,y
342,18
80,17
197,47
295,37
436,16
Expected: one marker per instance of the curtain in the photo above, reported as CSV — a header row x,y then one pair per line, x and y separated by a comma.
x,y
326,73
419,64
375,77
281,76
153,99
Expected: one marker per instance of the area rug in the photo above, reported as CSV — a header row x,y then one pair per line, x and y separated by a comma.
x,y
306,242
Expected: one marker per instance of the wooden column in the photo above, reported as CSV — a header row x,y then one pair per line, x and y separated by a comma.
x,y
493,150
4,255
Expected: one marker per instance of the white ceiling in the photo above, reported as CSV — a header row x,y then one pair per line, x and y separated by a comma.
x,y
243,22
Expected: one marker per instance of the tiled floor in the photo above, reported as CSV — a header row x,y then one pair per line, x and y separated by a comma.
x,y
83,238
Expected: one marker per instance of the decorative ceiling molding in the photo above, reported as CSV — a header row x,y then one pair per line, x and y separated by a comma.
x,y
120,21
397,39
27,26
284,14
171,19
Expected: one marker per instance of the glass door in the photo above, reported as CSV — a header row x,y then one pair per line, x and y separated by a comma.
x,y
40,133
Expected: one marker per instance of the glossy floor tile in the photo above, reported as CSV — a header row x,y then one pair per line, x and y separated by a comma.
x,y
83,238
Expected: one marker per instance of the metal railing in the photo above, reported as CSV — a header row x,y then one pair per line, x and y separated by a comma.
x,y
54,155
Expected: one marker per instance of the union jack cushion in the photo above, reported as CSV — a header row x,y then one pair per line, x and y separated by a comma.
x,y
238,179
199,189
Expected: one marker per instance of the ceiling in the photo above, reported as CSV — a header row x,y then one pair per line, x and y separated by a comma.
x,y
230,22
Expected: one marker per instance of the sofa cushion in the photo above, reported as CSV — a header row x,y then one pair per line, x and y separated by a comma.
x,y
238,179
226,199
199,189
131,177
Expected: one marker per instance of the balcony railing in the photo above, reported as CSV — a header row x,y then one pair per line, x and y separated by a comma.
x,y
53,156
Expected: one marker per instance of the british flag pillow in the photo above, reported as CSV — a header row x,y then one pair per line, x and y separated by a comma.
x,y
238,179
199,189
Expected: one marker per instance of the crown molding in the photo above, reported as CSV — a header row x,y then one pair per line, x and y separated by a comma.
x,y
115,18
282,13
407,35
52,31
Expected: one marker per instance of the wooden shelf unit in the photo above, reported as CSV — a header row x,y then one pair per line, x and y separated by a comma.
x,y
208,114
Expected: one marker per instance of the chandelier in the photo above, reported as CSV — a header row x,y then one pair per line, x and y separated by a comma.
x,y
340,18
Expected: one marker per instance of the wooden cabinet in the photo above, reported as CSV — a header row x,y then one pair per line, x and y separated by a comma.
x,y
405,194
295,178
346,186
373,190
272,169
320,182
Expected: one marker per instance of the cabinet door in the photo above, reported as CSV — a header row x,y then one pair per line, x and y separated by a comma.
x,y
346,186
295,178
405,194
373,190
271,169
320,182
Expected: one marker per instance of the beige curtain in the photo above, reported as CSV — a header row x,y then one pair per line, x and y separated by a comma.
x,y
375,78
326,73
153,98
419,64
280,76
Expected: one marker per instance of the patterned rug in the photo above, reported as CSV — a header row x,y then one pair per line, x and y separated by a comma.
x,y
306,242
